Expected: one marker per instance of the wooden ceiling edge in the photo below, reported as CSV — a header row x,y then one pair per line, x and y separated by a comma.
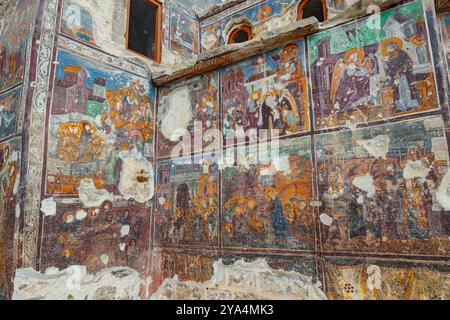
x,y
261,44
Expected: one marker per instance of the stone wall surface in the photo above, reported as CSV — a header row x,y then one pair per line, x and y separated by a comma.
x,y
317,168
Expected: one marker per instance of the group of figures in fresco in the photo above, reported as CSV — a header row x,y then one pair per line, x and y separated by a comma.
x,y
9,181
266,96
187,210
97,113
379,190
368,74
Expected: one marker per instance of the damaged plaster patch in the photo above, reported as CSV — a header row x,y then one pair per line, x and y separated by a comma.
x,y
415,169
242,280
48,207
377,147
92,197
136,178
442,194
178,115
326,219
117,283
365,183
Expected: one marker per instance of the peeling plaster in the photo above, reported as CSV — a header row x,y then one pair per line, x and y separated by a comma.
x,y
136,178
442,194
415,169
48,207
92,197
254,280
377,147
365,183
74,283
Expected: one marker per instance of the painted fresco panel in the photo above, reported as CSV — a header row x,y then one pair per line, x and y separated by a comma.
x,y
363,72
185,32
266,95
97,112
111,235
9,112
254,11
77,22
445,32
10,161
359,279
189,110
187,265
384,188
13,42
187,210
266,197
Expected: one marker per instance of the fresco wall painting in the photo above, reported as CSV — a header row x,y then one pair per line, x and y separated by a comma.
x,y
111,235
13,43
188,112
369,279
252,12
187,208
77,22
266,96
382,188
10,113
185,33
98,113
361,74
10,161
266,197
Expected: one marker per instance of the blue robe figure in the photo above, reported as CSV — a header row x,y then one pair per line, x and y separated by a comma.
x,y
279,222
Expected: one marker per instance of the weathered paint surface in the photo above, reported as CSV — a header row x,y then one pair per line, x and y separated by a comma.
x,y
387,204
370,279
13,42
363,72
187,208
97,113
10,161
266,96
190,111
379,191
266,197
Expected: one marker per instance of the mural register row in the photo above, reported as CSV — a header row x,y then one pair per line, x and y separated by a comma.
x,y
326,157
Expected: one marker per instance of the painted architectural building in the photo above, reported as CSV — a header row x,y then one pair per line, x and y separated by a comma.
x,y
309,162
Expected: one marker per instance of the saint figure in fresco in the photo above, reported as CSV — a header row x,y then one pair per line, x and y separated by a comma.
x,y
279,221
86,143
400,69
7,119
265,115
252,114
350,84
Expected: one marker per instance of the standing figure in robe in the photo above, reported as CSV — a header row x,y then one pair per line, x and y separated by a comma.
x,y
399,68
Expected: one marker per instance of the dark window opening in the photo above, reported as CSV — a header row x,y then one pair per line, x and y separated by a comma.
x,y
144,28
240,35
312,8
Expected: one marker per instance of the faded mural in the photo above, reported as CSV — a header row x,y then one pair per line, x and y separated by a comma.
x,y
361,279
362,72
13,42
384,188
187,210
98,116
266,96
185,33
254,12
358,212
188,116
267,195
10,161
9,112
111,235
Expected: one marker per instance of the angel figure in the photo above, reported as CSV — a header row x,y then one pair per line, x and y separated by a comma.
x,y
350,82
